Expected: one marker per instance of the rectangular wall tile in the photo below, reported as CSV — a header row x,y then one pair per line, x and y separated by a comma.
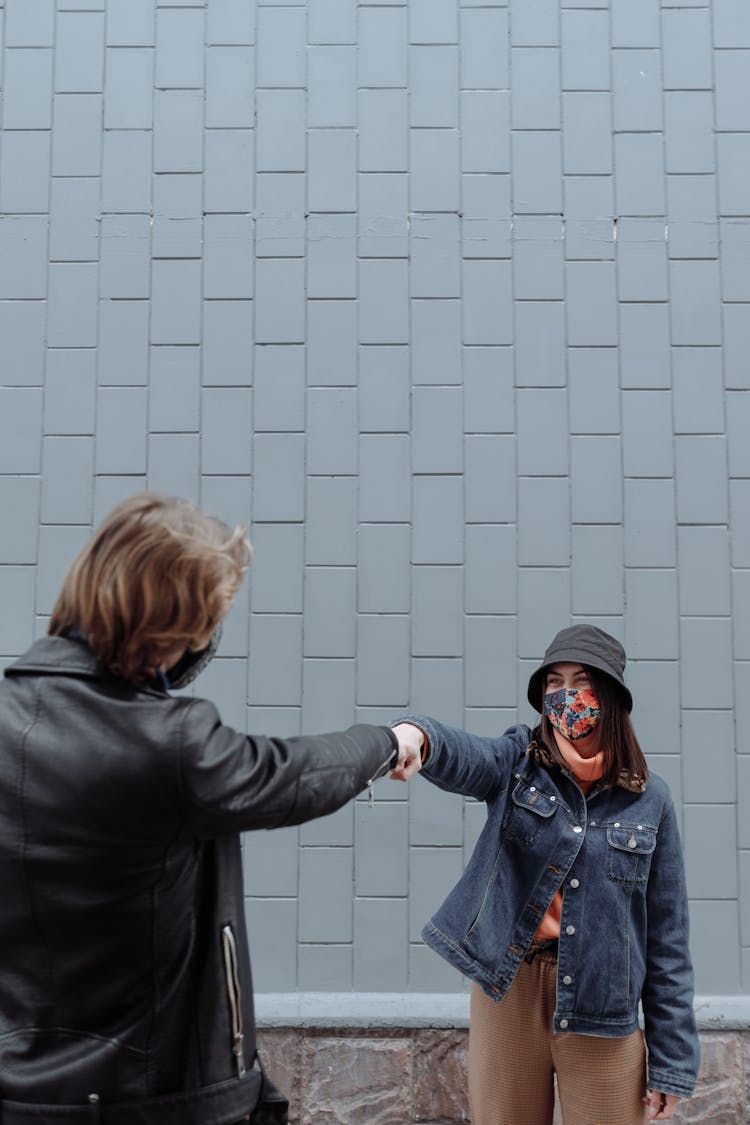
x,y
277,579
437,633
644,343
701,466
382,567
650,516
25,172
328,693
647,434
484,40
435,350
379,682
489,468
128,88
437,519
702,551
543,521
326,634
597,571
596,479
382,47
490,584
22,332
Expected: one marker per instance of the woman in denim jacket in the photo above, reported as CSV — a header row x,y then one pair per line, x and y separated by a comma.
x,y
573,909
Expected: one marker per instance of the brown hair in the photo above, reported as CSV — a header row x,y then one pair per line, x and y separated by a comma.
x,y
623,757
157,572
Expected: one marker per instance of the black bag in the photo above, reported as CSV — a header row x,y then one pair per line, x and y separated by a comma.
x,y
272,1107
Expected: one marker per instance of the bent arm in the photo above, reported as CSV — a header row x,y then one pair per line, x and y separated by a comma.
x,y
470,764
671,1034
232,782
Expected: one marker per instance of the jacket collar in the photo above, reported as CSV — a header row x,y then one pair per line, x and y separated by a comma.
x,y
633,782
68,656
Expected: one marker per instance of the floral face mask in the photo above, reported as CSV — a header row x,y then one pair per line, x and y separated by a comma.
x,y
574,712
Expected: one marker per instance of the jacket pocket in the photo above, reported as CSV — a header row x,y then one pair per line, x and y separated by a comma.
x,y
529,812
234,995
629,850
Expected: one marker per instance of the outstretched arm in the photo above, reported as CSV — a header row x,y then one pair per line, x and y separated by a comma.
x,y
460,762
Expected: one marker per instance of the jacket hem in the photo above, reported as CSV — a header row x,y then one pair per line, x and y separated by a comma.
x,y
613,1027
219,1104
495,986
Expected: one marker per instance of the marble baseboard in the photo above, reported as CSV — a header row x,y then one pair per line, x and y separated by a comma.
x,y
409,1075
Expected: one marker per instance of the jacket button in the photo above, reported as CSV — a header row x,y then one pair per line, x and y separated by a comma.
x,y
563,1023
574,884
567,980
570,930
617,824
577,828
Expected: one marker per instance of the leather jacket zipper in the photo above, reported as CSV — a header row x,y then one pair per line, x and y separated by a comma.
x,y
381,771
234,995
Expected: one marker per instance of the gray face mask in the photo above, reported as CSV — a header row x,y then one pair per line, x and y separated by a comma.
x,y
191,664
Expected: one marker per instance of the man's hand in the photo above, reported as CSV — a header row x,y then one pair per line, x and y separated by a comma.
x,y
661,1106
410,741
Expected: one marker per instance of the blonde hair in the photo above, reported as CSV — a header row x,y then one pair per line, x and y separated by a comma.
x,y
157,572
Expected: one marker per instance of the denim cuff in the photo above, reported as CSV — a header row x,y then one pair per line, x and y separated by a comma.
x,y
671,1082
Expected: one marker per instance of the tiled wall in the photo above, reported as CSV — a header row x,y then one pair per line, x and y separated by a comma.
x,y
451,302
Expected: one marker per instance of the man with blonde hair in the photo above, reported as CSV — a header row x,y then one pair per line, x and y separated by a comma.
x,y
125,987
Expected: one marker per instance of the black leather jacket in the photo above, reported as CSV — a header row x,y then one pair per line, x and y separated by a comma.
x,y
125,988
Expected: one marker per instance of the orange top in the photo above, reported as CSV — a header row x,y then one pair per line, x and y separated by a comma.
x,y
586,771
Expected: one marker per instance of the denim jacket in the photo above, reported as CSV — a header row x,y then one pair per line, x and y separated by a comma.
x,y
616,855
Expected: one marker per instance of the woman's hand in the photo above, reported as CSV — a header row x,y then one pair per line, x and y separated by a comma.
x,y
661,1106
410,741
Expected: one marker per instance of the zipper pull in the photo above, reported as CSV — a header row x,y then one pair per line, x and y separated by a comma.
x,y
370,794
238,1053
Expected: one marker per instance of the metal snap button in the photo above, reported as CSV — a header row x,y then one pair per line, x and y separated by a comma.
x,y
533,789
563,1023
567,980
570,930
593,824
574,884
577,828
617,824
553,798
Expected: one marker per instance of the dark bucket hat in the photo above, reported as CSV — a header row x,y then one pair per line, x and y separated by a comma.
x,y
581,644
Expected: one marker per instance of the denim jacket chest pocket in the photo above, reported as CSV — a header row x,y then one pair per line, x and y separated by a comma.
x,y
529,813
629,851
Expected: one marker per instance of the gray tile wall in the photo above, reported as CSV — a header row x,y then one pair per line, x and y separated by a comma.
x,y
451,303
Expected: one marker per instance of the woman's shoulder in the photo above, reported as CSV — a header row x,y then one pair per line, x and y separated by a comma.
x,y
656,795
658,787
520,734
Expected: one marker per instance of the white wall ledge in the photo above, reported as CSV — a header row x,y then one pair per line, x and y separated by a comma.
x,y
434,1009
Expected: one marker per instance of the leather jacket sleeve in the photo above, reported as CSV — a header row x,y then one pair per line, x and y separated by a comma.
x,y
231,782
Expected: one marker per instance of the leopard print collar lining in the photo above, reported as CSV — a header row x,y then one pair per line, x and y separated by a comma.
x,y
633,782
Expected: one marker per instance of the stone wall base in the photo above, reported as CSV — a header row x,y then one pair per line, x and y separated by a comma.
x,y
393,1076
